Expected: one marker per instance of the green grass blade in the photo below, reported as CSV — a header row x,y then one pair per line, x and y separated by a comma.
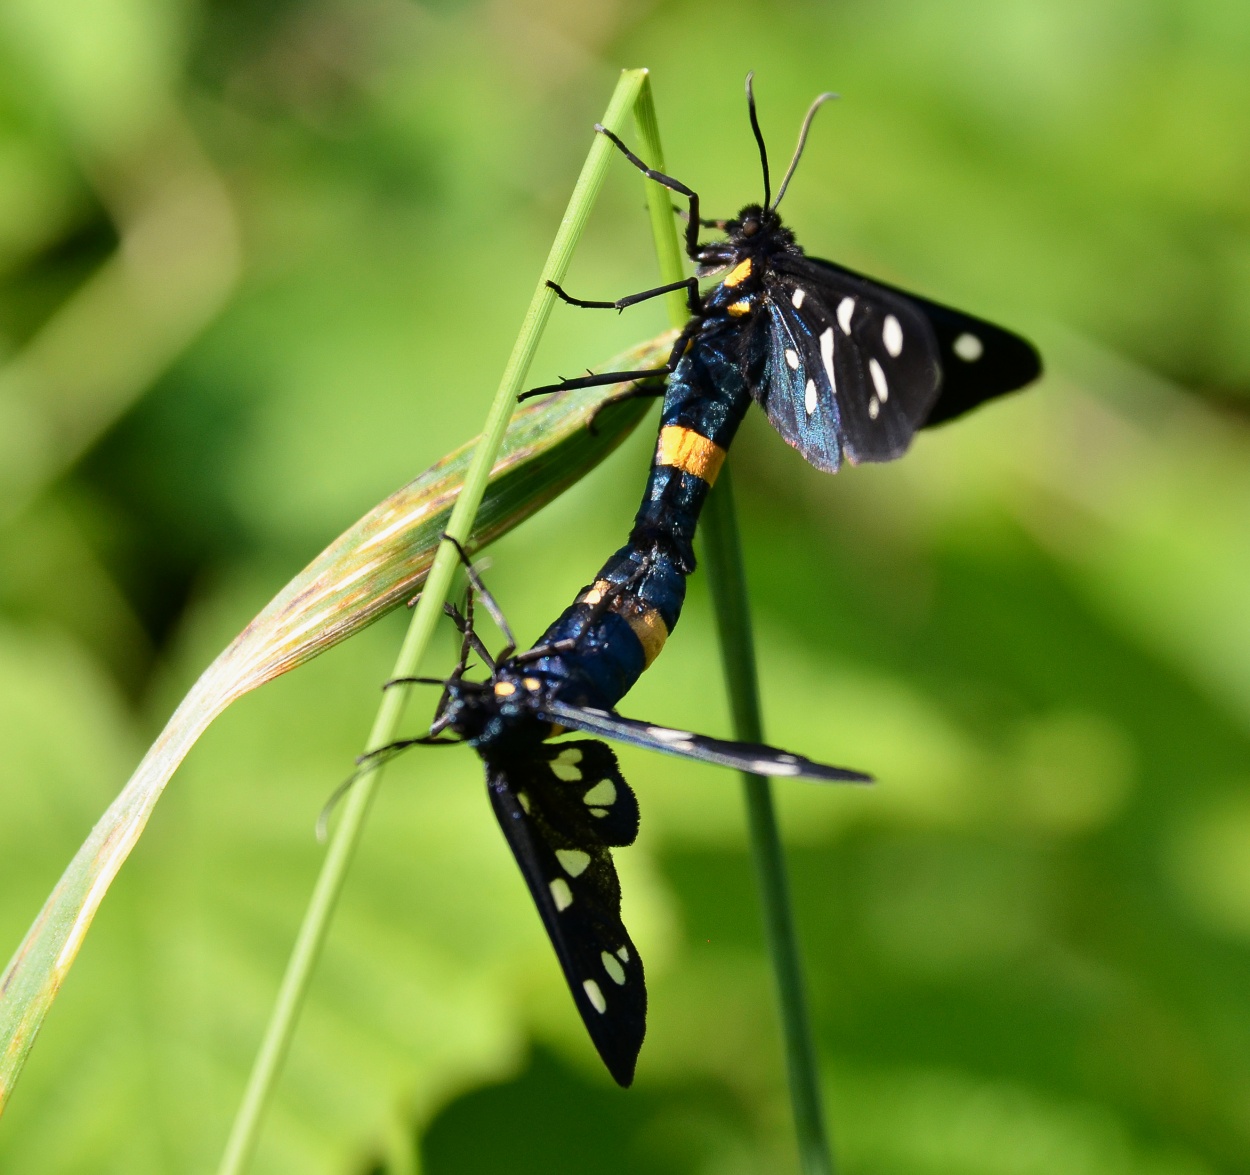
x,y
281,1028
668,249
722,559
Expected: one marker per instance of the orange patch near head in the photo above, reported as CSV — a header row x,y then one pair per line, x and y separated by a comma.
x,y
738,274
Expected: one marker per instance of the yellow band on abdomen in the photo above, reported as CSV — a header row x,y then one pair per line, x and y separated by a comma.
x,y
688,451
651,632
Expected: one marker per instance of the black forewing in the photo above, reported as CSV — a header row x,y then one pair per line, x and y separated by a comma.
x,y
978,359
852,368
756,758
560,810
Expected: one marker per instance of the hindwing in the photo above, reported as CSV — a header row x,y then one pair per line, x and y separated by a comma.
x,y
560,809
854,366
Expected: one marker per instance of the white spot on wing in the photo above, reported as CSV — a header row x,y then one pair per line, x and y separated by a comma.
x,y
595,995
564,765
797,298
968,347
792,358
878,380
874,408
845,309
615,971
604,792
773,767
670,736
573,861
826,355
599,812
622,953
892,336
561,894
809,397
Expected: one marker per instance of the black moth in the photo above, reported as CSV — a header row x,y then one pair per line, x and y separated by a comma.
x,y
846,368
563,806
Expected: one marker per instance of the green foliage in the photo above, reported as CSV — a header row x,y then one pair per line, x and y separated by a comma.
x,y
1028,945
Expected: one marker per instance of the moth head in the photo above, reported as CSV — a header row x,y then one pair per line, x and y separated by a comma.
x,y
758,228
470,705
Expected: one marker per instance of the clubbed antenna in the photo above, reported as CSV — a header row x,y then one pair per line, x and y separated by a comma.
x,y
798,151
759,138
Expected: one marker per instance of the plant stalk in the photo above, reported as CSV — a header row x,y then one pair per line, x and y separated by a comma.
x,y
722,559
346,836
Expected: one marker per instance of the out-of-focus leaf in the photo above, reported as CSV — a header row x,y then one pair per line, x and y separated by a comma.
x,y
372,567
106,73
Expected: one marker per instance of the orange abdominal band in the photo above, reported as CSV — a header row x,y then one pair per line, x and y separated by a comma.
x,y
651,632
686,450
647,626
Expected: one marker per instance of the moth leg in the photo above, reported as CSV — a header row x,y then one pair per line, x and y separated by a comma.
x,y
389,750
693,224
689,284
540,651
615,377
471,640
470,643
394,681
637,392
719,225
613,597
496,612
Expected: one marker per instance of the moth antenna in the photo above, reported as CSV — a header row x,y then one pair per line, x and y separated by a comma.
x,y
327,809
759,136
381,755
798,151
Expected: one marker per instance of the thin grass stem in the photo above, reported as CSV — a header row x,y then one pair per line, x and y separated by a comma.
x,y
668,250
722,560
293,991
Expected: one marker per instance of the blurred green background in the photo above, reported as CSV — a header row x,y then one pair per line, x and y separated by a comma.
x,y
261,262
